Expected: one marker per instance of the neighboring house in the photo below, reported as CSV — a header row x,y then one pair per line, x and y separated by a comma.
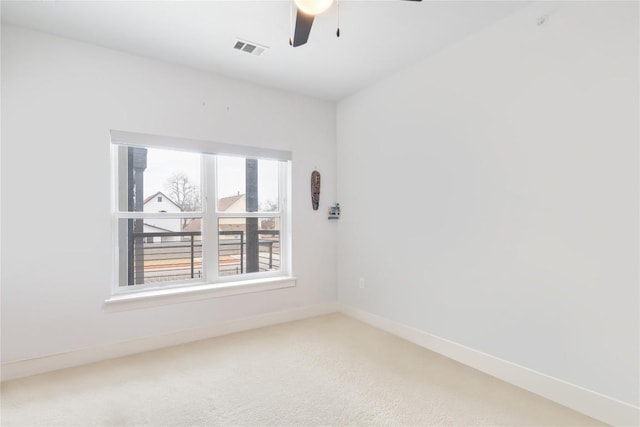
x,y
235,203
160,202
157,239
194,225
238,203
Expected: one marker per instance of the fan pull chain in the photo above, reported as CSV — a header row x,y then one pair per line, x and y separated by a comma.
x,y
338,6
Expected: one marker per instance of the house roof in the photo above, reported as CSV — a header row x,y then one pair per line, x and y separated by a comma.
x,y
223,204
158,193
157,229
194,225
226,202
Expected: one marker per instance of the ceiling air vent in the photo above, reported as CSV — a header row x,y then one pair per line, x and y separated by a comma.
x,y
250,47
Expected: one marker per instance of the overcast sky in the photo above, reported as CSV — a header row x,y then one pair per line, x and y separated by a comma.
x,y
162,164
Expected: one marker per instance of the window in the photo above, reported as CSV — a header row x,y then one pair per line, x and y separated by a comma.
x,y
213,215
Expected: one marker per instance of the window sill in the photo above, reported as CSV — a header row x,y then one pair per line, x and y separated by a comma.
x,y
156,297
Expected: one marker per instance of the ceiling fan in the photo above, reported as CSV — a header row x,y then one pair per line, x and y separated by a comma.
x,y
306,11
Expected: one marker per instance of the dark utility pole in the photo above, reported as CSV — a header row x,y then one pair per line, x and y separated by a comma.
x,y
137,163
251,181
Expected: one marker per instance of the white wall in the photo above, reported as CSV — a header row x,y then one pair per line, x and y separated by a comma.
x,y
59,100
513,154
512,158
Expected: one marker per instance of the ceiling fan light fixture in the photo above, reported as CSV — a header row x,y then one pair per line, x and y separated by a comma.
x,y
313,7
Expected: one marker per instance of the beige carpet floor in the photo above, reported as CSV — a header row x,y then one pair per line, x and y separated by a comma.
x,y
324,371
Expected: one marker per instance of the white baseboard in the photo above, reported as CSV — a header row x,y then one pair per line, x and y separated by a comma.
x,y
598,406
24,368
595,405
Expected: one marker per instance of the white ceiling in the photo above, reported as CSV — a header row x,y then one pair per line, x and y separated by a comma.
x,y
377,37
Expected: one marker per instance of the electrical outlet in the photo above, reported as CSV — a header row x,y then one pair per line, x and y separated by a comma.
x,y
361,283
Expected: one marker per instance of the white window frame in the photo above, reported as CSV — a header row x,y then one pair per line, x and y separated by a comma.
x,y
212,284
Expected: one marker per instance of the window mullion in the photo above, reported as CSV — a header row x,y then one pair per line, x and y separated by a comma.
x,y
284,215
210,219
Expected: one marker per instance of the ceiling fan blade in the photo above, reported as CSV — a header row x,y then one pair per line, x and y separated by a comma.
x,y
303,28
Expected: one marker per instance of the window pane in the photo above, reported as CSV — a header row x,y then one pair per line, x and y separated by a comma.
x,y
247,185
149,253
248,245
156,180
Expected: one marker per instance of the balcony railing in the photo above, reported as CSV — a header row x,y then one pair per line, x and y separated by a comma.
x,y
177,256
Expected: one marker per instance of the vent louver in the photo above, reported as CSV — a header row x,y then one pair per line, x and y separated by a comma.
x,y
250,47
